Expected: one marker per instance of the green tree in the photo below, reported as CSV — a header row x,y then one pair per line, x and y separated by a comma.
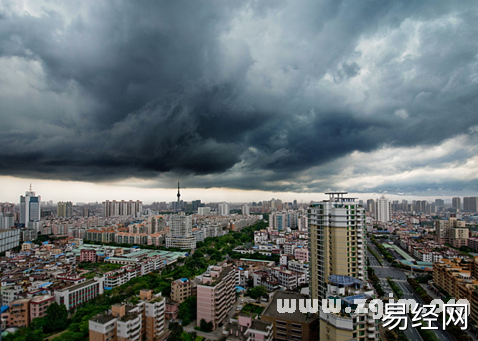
x,y
257,292
36,335
188,310
38,323
206,326
56,317
402,337
390,336
176,332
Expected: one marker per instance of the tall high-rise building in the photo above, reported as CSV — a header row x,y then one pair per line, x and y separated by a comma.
x,y
122,208
180,225
223,209
245,209
204,210
196,204
86,211
470,204
371,206
395,205
276,205
456,203
30,207
420,206
7,208
180,232
383,210
337,241
64,209
439,202
7,221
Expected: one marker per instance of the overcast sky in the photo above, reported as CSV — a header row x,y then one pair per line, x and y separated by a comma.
x,y
238,98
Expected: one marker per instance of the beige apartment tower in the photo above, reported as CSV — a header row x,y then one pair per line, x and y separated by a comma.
x,y
337,241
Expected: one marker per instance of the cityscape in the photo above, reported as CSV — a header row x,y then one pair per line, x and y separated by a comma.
x,y
246,170
216,271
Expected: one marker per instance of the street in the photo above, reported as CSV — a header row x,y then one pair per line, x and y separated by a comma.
x,y
400,278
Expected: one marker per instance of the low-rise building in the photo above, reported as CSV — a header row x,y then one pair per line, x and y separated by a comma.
x,y
20,313
250,329
172,309
291,326
181,289
39,305
88,255
11,294
77,294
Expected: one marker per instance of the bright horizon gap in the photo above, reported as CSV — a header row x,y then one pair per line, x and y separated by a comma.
x,y
86,192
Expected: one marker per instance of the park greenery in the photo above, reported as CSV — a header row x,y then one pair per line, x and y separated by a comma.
x,y
76,328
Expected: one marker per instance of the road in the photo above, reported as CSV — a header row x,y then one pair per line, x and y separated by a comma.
x,y
400,278
373,261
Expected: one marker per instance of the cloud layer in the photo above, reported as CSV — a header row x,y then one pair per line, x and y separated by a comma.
x,y
269,95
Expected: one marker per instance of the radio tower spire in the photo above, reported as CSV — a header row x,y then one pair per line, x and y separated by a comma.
x,y
178,207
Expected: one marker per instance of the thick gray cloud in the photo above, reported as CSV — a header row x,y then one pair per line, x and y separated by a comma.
x,y
242,94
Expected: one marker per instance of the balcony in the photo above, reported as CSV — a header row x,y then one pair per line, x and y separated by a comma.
x,y
371,321
371,329
371,336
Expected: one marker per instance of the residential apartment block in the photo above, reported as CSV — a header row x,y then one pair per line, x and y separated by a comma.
x,y
180,232
9,238
215,294
336,241
451,230
143,321
343,326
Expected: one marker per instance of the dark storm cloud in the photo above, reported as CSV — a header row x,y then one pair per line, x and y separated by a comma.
x,y
233,90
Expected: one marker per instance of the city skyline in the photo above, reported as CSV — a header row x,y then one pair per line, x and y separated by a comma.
x,y
277,97
99,193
